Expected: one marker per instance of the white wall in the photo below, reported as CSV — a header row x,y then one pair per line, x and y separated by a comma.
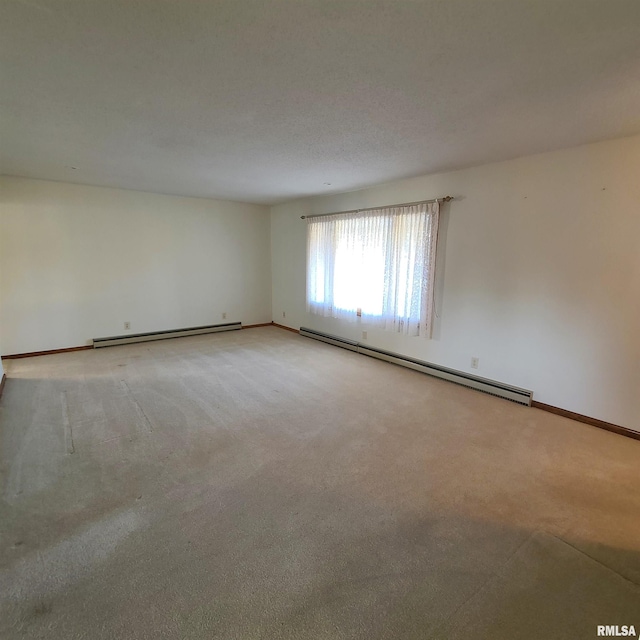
x,y
76,262
539,274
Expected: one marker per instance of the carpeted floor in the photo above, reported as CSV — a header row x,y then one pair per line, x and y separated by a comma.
x,y
257,484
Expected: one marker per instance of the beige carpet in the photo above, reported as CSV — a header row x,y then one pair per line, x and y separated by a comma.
x,y
546,590
257,484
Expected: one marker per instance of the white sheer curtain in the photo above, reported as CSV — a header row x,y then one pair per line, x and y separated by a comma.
x,y
379,263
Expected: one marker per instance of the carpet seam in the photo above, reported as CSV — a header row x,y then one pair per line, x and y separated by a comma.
x,y
492,578
596,561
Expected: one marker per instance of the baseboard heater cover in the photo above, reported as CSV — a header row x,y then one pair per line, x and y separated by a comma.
x,y
164,335
352,345
509,392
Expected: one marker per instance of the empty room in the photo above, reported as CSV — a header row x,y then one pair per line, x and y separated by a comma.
x,y
319,319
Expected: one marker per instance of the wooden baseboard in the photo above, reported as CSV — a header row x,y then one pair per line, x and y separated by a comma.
x,y
15,356
275,324
594,422
4,379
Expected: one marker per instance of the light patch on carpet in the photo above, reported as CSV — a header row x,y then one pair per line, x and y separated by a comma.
x,y
43,573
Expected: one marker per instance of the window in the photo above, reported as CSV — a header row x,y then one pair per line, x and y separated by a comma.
x,y
378,264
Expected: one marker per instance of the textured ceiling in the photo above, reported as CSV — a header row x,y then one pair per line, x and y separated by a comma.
x,y
267,100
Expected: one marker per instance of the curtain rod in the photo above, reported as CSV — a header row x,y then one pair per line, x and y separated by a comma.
x,y
387,206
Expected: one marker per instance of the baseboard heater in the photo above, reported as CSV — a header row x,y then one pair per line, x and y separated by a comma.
x,y
164,335
515,394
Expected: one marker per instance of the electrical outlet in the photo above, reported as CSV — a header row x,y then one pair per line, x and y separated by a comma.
x,y
475,362
224,315
284,315
127,326
364,335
